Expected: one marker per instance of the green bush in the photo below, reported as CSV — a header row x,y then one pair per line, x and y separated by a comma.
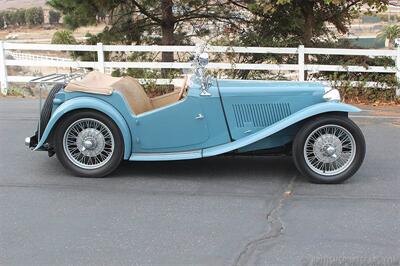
x,y
34,16
63,37
54,17
10,18
384,91
20,17
15,91
1,20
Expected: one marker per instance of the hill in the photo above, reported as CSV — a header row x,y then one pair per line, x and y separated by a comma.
x,y
6,4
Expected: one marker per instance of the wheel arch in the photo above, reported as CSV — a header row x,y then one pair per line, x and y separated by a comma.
x,y
87,103
323,114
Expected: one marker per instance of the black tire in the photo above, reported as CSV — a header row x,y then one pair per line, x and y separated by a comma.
x,y
47,108
308,128
103,170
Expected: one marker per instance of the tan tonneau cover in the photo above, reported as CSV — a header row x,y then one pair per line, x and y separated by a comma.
x,y
95,82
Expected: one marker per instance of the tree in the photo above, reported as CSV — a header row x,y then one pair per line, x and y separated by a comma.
x,y
10,18
305,20
289,23
34,16
2,20
391,33
54,17
163,22
20,17
14,17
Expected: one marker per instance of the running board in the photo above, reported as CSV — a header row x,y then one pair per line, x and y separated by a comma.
x,y
166,156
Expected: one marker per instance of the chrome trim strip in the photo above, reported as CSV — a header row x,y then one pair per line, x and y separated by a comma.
x,y
166,156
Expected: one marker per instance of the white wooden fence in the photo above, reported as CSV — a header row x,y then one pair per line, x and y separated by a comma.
x,y
34,57
101,64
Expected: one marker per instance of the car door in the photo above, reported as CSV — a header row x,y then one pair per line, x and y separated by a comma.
x,y
177,127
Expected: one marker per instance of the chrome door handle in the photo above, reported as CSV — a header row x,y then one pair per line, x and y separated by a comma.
x,y
199,116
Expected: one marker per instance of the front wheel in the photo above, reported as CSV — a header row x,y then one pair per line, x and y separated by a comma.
x,y
329,149
89,144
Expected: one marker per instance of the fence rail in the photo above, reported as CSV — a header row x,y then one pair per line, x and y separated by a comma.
x,y
22,59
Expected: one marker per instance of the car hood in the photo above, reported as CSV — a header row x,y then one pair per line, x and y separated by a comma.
x,y
253,105
271,88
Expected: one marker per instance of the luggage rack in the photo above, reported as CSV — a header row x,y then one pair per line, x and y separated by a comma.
x,y
47,80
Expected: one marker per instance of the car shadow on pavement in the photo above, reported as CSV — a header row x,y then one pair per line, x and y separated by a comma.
x,y
222,167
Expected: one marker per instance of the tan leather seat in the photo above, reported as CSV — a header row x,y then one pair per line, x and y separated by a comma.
x,y
130,88
134,94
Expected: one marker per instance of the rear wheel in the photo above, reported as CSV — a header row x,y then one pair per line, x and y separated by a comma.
x,y
89,144
329,149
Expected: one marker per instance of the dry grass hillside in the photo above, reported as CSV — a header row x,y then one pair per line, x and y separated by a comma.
x,y
5,4
44,34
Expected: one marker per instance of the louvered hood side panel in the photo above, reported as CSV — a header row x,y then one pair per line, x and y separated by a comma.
x,y
251,108
260,115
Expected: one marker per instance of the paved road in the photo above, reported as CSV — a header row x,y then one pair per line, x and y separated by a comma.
x,y
219,211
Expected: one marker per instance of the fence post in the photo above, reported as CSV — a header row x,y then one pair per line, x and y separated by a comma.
x,y
398,70
3,69
100,57
301,63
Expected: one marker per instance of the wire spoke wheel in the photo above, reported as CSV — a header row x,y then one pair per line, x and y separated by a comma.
x,y
88,143
329,150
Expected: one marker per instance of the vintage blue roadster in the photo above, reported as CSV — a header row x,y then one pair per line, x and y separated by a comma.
x,y
95,123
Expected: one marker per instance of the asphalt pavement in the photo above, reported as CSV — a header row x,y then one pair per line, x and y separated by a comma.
x,y
216,211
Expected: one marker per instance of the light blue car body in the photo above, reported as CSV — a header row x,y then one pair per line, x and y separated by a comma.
x,y
240,116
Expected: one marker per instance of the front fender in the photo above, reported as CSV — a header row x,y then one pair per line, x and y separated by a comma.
x,y
89,103
284,123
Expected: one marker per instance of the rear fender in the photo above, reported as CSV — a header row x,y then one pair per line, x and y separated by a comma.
x,y
301,115
89,103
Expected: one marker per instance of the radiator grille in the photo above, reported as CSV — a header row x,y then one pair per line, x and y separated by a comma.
x,y
260,115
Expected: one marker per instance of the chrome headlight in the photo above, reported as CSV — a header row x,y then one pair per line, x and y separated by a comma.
x,y
331,95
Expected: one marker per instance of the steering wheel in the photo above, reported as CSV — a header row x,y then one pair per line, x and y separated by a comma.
x,y
185,85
